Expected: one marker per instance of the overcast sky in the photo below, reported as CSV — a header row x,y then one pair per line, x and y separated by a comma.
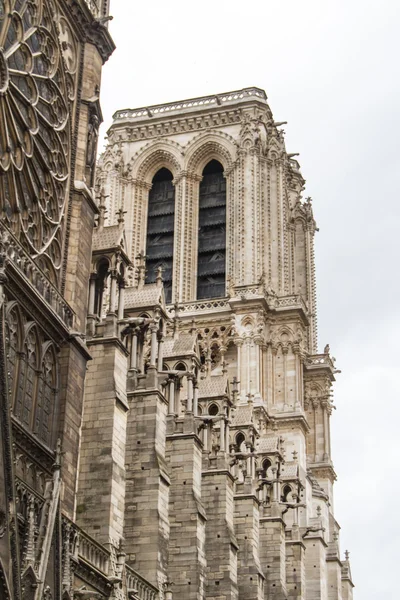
x,y
331,69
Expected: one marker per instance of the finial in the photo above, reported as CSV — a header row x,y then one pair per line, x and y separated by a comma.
x,y
159,277
176,321
193,327
57,461
347,555
102,209
141,268
121,214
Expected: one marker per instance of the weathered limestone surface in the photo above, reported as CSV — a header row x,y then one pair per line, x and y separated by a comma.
x,y
165,425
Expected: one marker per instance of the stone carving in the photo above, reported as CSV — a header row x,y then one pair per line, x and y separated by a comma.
x,y
35,146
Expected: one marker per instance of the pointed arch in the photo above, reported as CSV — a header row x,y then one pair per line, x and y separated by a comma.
x,y
207,147
28,375
240,438
211,247
47,396
160,229
155,156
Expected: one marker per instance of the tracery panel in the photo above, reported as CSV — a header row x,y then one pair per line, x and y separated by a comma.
x,y
34,124
32,364
13,341
160,230
211,258
47,394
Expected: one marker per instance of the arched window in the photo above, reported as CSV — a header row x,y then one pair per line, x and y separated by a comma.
x,y
102,272
239,442
266,465
47,396
212,233
285,493
27,379
160,230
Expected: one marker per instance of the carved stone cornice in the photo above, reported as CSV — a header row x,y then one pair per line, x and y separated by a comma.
x,y
323,470
90,29
292,419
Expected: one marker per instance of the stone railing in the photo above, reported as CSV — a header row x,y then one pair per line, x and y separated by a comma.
x,y
203,306
320,360
205,101
248,291
16,257
93,553
293,301
138,588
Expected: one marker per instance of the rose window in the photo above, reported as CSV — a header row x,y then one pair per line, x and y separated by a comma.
x,y
34,129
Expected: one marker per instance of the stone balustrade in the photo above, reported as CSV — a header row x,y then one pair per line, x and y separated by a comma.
x,y
93,552
158,110
15,257
138,587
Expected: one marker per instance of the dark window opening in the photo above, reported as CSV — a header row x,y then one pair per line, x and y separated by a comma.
x,y
160,230
102,272
211,255
239,441
266,465
286,491
213,410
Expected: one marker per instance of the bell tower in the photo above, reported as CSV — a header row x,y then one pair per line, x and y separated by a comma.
x,y
214,201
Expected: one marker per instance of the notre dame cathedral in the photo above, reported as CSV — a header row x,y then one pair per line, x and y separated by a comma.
x,y
165,411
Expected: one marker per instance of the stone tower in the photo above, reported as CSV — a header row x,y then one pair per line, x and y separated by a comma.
x,y
205,449
51,58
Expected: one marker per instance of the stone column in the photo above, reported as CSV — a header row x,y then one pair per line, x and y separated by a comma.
x,y
295,567
113,291
246,521
221,546
196,399
147,486
103,438
171,400
272,552
187,519
160,351
92,290
189,407
153,349
134,349
121,302
315,567
325,416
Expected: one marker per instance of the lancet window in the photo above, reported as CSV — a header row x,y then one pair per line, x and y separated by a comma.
x,y
211,256
32,365
160,230
101,280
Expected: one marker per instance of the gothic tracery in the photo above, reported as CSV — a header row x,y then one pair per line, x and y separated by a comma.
x,y
34,120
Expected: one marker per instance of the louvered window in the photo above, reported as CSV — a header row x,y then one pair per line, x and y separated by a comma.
x,y
160,230
212,233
